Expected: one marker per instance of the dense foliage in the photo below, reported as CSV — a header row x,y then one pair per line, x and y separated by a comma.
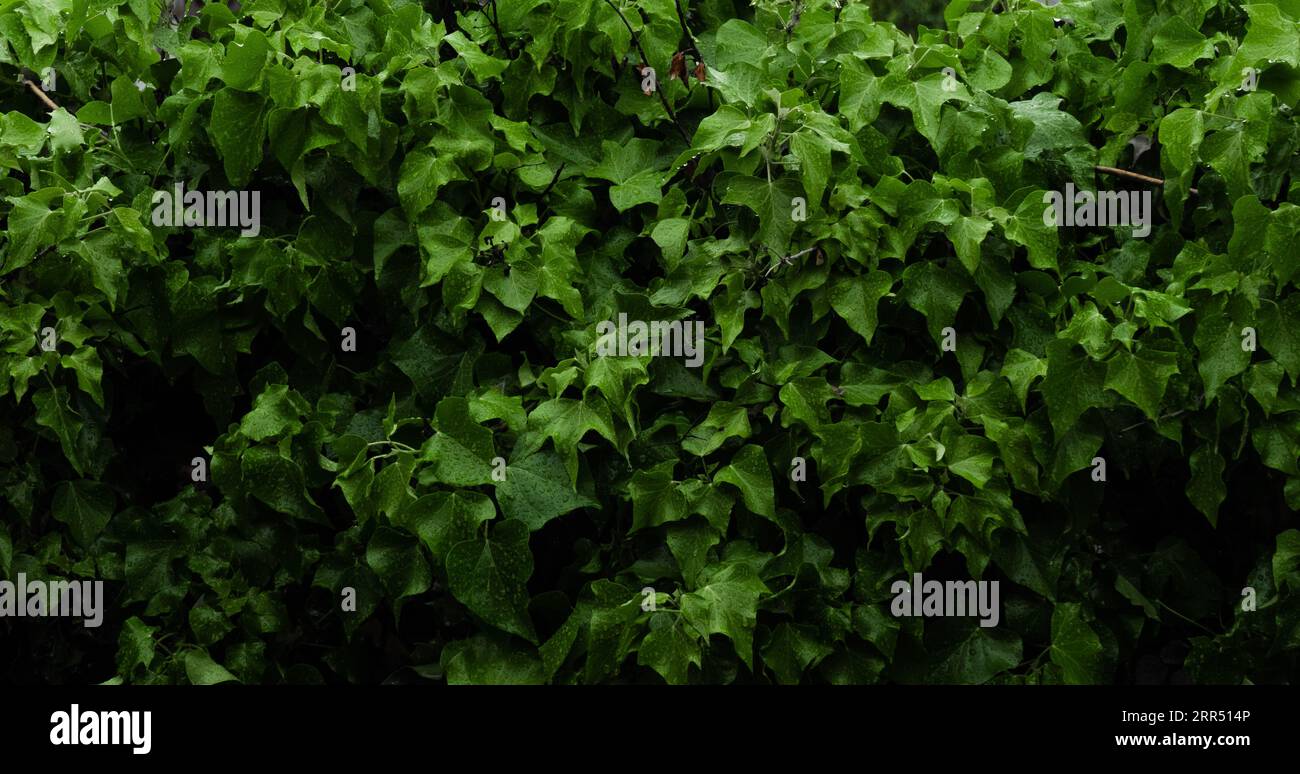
x,y
921,157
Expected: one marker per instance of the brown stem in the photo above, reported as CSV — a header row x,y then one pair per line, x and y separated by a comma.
x,y
789,259
645,62
42,96
1133,175
49,103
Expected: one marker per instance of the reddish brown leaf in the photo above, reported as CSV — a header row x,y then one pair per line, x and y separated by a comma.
x,y
678,68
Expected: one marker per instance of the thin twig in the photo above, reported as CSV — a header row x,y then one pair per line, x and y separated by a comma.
x,y
495,19
789,259
554,179
794,19
1146,421
645,62
51,104
1133,176
681,16
41,95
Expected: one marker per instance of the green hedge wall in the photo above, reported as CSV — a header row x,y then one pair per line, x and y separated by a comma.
x,y
376,435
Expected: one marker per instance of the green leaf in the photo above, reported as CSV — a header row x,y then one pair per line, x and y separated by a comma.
x,y
85,506
461,452
487,660
792,650
1026,227
65,132
1222,355
278,483
1286,560
245,58
396,558
202,670
1141,378
1279,333
277,411
855,298
1076,649
1270,36
974,659
488,575
1179,44
1181,133
935,293
656,498
750,473
670,649
135,645
924,98
421,175
536,490
443,519
238,129
771,201
565,421
1207,490
1073,384
728,605
52,411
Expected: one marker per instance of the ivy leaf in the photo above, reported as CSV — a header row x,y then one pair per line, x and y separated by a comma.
x,y
855,298
1270,36
202,670
443,519
488,575
814,154
975,658
488,660
245,58
1179,44
1141,377
1076,649
420,177
1181,133
85,506
1286,560
792,650
924,98
1206,489
1221,353
935,293
276,411
461,452
1279,333
1020,368
656,498
52,411
690,542
565,421
135,645
771,201
396,558
670,649
238,129
536,490
278,483
750,473
728,605
1073,384
1026,227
